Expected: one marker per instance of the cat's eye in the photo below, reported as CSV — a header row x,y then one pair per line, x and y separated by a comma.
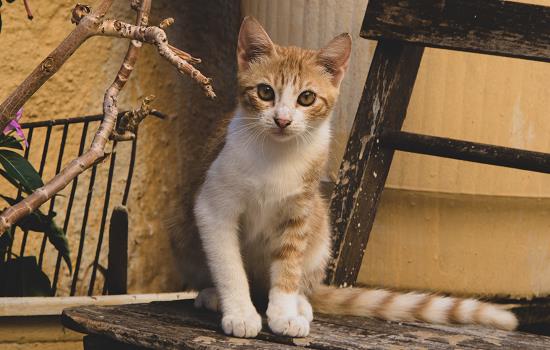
x,y
265,92
307,98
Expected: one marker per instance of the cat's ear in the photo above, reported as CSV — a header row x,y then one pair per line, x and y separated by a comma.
x,y
334,57
253,42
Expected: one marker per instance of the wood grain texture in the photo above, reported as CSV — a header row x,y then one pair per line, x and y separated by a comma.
x,y
178,325
493,27
465,150
365,165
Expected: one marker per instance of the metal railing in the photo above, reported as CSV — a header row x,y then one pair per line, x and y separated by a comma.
x,y
70,128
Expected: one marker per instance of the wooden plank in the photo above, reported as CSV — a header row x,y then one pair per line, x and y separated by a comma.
x,y
157,328
177,325
465,150
493,27
451,336
43,306
117,271
366,164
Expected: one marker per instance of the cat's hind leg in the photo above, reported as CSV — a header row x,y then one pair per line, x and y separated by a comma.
x,y
208,299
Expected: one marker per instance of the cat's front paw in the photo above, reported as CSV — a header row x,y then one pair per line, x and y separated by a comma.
x,y
289,314
291,326
286,319
242,325
304,308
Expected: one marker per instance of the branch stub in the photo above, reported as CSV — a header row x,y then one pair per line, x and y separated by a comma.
x,y
79,11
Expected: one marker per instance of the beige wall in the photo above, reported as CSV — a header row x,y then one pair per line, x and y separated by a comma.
x,y
442,224
37,333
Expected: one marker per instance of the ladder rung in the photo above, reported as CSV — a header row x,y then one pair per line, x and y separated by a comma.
x,y
495,27
465,150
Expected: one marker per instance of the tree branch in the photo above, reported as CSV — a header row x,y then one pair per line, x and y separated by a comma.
x,y
91,23
156,36
138,33
51,64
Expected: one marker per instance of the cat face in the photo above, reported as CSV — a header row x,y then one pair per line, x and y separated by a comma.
x,y
287,91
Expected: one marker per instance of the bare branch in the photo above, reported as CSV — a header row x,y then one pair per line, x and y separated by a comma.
x,y
28,9
96,153
51,64
79,11
162,116
90,23
156,36
167,22
184,55
128,125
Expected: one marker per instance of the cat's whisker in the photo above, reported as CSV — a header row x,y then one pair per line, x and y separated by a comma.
x,y
264,136
252,138
243,128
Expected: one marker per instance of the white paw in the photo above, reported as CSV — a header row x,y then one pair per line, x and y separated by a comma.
x,y
289,314
304,308
208,299
242,325
293,326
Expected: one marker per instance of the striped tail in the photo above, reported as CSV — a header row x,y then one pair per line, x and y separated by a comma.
x,y
395,306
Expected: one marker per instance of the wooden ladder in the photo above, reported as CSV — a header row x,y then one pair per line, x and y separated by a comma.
x,y
403,28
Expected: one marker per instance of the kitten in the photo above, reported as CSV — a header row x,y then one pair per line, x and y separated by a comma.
x,y
263,224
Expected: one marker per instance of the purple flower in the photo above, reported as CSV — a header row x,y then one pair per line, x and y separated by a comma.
x,y
14,125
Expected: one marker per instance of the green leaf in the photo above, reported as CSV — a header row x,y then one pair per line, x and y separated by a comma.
x,y
40,222
22,277
58,239
20,170
10,142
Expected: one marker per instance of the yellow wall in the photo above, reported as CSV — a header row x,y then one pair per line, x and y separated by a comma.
x,y
37,333
442,224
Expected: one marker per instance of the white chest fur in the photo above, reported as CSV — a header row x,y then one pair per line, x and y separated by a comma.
x,y
265,175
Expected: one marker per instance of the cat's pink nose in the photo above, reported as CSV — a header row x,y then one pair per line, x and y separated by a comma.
x,y
282,122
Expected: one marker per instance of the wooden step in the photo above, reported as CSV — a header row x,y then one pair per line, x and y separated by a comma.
x,y
178,325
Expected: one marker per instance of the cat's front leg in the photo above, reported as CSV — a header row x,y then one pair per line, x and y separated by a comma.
x,y
218,226
289,312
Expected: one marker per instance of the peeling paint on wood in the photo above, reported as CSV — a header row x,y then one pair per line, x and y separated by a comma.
x,y
503,28
178,325
366,164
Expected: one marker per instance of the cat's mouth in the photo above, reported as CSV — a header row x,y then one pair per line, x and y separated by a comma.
x,y
281,134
